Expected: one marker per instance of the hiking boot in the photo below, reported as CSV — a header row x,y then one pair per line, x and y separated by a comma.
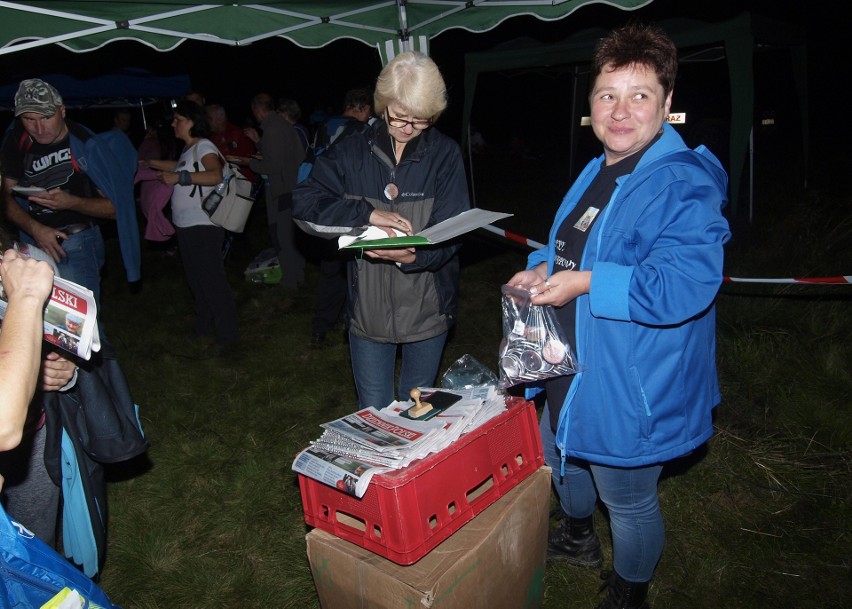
x,y
622,594
575,542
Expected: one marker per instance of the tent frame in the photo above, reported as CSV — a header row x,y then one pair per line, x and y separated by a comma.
x,y
739,37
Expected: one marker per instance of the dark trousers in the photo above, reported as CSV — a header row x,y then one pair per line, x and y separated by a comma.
x,y
331,289
215,311
282,234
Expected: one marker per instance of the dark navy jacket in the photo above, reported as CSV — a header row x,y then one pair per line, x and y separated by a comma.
x,y
390,303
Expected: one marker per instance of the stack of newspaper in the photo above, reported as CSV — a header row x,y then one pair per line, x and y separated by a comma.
x,y
354,448
70,318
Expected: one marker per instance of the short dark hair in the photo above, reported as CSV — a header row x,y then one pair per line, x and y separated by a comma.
x,y
358,98
639,44
290,107
195,113
263,101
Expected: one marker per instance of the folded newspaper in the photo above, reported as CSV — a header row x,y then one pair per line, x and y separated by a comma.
x,y
70,318
356,447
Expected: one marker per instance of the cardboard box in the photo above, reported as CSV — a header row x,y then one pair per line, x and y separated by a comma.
x,y
495,560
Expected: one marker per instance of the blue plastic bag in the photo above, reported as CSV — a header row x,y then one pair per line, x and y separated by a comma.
x,y
32,573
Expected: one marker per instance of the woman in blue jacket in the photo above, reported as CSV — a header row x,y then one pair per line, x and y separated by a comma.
x,y
632,267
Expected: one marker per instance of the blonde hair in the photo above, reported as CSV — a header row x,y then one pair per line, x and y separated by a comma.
x,y
413,81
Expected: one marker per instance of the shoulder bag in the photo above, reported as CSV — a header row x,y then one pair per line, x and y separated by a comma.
x,y
228,205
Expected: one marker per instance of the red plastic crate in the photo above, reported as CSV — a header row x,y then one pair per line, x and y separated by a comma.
x,y
406,513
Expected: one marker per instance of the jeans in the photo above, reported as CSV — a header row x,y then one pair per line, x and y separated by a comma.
x,y
630,496
373,365
83,260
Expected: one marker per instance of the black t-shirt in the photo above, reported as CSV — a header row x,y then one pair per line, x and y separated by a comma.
x,y
48,166
571,238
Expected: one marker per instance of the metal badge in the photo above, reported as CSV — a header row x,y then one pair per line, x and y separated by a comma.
x,y
391,191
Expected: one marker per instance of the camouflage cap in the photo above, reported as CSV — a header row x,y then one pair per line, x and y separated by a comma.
x,y
35,95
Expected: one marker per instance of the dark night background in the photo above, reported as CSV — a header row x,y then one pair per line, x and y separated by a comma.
x,y
532,105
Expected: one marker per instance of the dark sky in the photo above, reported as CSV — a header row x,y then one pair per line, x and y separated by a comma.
x,y
320,76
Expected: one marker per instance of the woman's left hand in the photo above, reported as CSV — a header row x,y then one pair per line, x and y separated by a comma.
x,y
389,220
400,255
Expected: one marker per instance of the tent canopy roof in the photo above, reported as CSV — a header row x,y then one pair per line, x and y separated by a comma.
x,y
86,26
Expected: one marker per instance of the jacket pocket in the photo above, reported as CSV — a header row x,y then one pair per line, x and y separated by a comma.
x,y
642,406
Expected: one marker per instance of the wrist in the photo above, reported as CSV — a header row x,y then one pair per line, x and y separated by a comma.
x,y
184,178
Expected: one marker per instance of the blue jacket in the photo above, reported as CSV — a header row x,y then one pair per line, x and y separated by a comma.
x,y
110,160
646,329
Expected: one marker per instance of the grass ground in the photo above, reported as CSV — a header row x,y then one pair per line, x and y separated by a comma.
x,y
212,516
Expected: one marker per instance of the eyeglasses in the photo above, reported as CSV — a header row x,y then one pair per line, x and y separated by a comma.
x,y
399,123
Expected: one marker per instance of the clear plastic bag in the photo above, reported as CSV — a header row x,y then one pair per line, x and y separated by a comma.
x,y
533,346
468,372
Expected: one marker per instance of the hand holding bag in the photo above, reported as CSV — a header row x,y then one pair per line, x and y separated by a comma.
x,y
534,347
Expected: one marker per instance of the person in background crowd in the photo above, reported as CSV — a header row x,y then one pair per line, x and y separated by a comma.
x,y
154,196
121,120
228,138
196,172
42,149
331,289
357,106
281,153
632,266
290,111
196,96
398,173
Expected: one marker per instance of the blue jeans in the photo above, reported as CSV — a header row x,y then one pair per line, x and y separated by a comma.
x,y
630,496
373,365
83,261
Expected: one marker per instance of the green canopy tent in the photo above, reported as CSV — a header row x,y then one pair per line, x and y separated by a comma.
x,y
389,25
737,38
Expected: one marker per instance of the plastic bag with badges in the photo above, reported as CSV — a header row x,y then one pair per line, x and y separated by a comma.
x,y
533,346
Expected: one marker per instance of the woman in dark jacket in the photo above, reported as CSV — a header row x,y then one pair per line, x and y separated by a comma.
x,y
398,174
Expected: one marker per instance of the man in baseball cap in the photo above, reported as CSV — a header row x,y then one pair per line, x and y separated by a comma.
x,y
43,150
35,95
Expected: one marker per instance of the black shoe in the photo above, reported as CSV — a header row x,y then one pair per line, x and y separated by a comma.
x,y
317,338
622,594
575,542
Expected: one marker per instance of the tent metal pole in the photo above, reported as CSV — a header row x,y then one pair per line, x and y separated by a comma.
x,y
470,164
751,176
144,119
572,145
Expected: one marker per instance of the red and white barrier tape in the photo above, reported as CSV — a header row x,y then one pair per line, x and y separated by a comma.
x,y
514,237
838,280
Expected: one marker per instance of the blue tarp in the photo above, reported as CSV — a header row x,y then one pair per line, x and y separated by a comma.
x,y
129,87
